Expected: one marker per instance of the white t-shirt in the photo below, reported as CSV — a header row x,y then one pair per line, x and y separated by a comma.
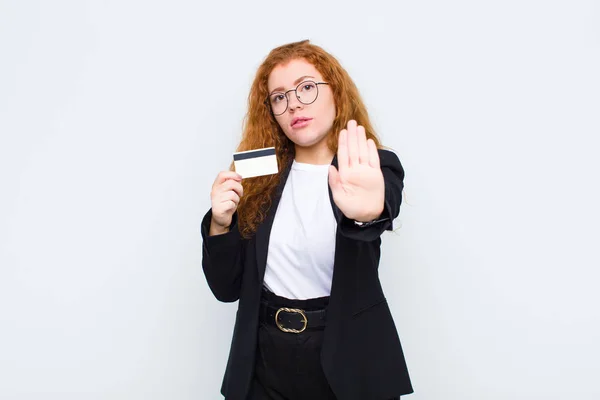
x,y
302,242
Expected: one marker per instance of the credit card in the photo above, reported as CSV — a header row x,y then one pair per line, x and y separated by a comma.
x,y
257,162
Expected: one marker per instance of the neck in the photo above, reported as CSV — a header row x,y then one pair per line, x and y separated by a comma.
x,y
314,155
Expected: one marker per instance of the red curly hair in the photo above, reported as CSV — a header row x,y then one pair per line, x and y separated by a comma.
x,y
261,130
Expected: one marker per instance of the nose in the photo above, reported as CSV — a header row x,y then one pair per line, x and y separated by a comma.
x,y
293,102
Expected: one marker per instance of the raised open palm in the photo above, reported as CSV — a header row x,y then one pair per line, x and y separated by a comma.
x,y
358,187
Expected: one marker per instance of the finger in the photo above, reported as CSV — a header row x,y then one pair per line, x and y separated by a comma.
x,y
230,195
232,185
229,205
352,144
373,154
343,150
363,150
224,175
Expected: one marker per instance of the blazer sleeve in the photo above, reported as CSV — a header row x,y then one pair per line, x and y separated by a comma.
x,y
223,260
393,176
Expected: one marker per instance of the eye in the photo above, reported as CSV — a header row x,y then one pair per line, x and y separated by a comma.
x,y
276,98
307,87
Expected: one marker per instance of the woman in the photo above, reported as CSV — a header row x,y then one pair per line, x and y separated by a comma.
x,y
300,249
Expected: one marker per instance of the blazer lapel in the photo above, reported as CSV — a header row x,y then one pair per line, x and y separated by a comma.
x,y
263,231
336,211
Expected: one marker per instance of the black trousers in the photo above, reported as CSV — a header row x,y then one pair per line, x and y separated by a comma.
x,y
288,365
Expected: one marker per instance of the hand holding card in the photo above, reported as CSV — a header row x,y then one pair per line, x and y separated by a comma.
x,y
225,196
258,162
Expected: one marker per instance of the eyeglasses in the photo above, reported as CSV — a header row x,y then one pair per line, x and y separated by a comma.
x,y
306,93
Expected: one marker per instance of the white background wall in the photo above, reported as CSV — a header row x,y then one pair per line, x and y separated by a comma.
x,y
115,117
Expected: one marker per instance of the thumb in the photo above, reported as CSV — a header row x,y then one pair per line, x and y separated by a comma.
x,y
334,177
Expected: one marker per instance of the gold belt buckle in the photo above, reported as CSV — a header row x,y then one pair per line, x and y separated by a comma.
x,y
291,310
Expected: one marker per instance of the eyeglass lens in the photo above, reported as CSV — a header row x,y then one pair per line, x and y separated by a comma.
x,y
306,93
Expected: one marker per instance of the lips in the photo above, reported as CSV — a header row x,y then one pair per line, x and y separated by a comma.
x,y
299,120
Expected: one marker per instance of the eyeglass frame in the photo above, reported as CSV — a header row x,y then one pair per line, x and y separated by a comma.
x,y
268,103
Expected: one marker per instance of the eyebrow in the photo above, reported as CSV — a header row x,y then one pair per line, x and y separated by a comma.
x,y
297,81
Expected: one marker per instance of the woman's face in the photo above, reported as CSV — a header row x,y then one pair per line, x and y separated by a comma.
x,y
307,125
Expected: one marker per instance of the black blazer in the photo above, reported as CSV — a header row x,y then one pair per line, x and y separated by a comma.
x,y
361,354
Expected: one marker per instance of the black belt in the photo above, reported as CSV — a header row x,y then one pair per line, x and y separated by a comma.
x,y
292,320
